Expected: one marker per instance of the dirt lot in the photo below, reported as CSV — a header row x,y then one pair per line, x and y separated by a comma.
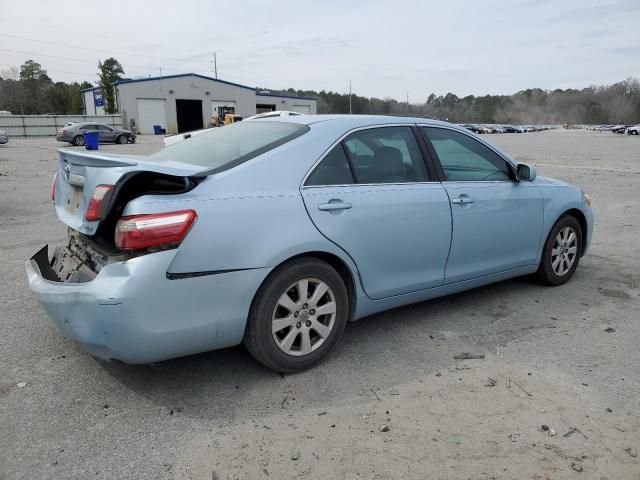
x,y
220,415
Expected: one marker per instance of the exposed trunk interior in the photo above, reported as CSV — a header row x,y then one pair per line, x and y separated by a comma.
x,y
133,185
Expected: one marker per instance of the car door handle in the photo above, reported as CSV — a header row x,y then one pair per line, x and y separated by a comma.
x,y
331,206
463,199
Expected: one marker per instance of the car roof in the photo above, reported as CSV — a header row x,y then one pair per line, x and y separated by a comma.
x,y
354,121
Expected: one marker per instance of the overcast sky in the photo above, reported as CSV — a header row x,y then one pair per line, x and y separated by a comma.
x,y
386,48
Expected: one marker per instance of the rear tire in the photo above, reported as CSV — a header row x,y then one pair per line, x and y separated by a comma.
x,y
78,141
297,316
561,253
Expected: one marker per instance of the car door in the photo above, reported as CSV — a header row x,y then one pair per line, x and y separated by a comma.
x,y
372,196
105,133
497,221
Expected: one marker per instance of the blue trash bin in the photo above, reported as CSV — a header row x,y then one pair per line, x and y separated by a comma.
x,y
91,140
157,129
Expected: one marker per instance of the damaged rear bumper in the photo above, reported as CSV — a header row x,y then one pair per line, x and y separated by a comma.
x,y
133,313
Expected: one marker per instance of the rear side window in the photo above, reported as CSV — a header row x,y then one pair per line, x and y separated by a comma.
x,y
225,147
332,170
386,155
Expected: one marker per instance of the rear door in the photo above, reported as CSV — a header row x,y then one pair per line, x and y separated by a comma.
x,y
372,196
497,221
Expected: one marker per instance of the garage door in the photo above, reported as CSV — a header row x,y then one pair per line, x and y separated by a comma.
x,y
306,109
151,112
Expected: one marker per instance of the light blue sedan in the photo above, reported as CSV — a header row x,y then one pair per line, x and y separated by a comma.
x,y
277,232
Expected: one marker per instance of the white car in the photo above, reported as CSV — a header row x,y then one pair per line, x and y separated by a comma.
x,y
4,138
172,139
635,130
275,113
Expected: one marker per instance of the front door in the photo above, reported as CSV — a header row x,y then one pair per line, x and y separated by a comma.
x,y
497,221
371,196
105,133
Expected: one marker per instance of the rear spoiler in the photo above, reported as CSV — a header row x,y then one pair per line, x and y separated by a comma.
x,y
95,160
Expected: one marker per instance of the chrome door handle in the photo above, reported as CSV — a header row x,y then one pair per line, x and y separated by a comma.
x,y
328,207
463,199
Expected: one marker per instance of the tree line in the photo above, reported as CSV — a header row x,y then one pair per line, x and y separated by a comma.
x,y
617,103
29,90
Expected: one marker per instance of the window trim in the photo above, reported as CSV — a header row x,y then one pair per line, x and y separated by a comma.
x,y
438,163
341,139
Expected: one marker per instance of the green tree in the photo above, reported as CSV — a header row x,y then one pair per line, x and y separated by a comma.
x,y
109,71
35,83
66,98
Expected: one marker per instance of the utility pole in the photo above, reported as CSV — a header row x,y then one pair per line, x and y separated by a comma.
x,y
349,97
215,66
160,68
406,107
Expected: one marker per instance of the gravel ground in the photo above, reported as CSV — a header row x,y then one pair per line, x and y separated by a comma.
x,y
391,402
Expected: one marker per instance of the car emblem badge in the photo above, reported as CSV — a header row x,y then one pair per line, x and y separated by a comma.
x,y
67,170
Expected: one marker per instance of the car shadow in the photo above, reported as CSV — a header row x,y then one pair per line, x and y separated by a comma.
x,y
375,353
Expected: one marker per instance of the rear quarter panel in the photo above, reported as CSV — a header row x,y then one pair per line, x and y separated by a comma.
x,y
253,215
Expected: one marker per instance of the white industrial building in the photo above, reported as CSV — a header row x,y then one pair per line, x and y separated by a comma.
x,y
181,103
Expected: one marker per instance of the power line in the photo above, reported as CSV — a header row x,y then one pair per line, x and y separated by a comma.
x,y
85,48
53,70
126,64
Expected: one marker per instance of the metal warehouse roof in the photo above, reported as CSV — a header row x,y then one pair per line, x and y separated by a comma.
x,y
262,94
180,75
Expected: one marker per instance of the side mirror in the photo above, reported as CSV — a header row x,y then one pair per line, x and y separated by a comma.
x,y
526,172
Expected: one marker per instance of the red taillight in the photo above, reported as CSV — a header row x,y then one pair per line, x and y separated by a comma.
x,y
53,186
95,202
144,231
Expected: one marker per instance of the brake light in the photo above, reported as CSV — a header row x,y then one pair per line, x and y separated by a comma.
x,y
53,186
95,202
144,231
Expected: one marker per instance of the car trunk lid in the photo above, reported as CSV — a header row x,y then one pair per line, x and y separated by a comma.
x,y
79,174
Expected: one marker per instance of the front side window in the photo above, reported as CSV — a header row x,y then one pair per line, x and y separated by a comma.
x,y
385,155
465,159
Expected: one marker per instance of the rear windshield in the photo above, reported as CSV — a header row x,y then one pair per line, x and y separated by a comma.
x,y
221,148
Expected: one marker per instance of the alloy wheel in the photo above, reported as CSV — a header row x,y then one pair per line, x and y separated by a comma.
x,y
304,317
564,251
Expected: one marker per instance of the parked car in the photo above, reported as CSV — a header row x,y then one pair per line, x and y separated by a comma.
x,y
276,233
73,133
635,130
4,138
620,128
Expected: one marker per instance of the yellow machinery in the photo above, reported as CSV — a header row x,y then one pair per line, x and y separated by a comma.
x,y
231,118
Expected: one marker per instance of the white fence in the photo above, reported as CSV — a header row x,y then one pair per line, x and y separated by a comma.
x,y
48,125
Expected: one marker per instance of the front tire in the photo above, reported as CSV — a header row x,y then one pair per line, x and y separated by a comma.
x,y
562,252
297,316
121,140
